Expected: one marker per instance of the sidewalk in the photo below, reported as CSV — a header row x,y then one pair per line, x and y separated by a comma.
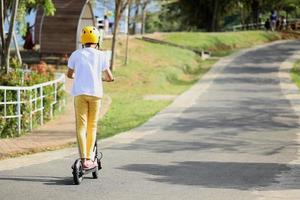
x,y
58,133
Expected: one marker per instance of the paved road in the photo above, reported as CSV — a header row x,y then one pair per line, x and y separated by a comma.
x,y
232,136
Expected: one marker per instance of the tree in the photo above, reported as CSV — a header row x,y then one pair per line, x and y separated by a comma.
x,y
120,6
136,14
144,4
210,15
6,40
168,18
127,37
215,15
196,15
141,5
14,11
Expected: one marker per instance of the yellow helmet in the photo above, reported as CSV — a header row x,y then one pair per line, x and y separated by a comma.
x,y
89,34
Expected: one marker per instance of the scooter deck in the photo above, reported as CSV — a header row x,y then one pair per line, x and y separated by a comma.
x,y
87,171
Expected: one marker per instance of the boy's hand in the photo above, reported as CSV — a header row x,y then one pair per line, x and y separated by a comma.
x,y
70,73
107,76
103,79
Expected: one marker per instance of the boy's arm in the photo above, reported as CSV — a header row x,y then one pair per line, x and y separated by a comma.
x,y
107,75
70,73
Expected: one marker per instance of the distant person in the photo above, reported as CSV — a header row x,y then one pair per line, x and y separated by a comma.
x,y
28,38
106,25
268,25
273,19
284,23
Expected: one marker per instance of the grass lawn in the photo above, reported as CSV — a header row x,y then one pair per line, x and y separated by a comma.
x,y
295,73
222,43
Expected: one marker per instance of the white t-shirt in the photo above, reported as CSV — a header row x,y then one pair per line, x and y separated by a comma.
x,y
88,64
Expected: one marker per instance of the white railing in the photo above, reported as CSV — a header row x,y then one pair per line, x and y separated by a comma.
x,y
260,25
248,26
37,90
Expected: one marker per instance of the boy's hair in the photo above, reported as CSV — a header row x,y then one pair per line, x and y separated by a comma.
x,y
88,44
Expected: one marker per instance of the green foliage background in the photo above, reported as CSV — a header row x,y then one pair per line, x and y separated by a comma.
x,y
216,15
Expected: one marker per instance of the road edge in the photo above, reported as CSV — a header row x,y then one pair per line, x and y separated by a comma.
x,y
286,178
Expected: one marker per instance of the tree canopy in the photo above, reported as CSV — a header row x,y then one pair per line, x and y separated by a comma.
x,y
214,15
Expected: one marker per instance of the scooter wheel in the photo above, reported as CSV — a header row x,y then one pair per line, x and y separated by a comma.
x,y
95,174
77,172
99,164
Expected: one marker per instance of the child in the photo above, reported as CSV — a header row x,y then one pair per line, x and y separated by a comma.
x,y
86,66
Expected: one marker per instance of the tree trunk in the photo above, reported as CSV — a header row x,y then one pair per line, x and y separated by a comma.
x,y
2,36
136,15
120,6
242,15
118,12
214,24
144,21
2,62
127,39
255,11
10,34
114,39
17,48
143,17
144,5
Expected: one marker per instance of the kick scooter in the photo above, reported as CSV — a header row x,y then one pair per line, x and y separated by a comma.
x,y
78,171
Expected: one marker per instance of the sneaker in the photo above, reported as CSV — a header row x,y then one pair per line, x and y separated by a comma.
x,y
88,164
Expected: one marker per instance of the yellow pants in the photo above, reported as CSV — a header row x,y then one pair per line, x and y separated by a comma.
x,y
87,111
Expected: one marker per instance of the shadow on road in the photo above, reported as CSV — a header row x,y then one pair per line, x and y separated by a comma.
x,y
230,175
47,180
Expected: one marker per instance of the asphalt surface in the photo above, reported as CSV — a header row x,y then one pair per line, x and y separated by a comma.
x,y
232,136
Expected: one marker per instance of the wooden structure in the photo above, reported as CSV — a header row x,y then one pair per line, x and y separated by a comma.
x,y
60,34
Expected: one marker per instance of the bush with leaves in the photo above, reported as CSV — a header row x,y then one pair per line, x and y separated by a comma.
x,y
40,73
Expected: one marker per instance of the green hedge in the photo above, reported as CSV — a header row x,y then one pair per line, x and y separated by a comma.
x,y
9,127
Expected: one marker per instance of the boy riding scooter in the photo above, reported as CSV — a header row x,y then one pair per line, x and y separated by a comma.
x,y
88,66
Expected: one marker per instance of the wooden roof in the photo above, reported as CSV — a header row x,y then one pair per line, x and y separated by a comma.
x,y
59,34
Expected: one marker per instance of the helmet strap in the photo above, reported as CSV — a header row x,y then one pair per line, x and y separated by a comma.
x,y
98,44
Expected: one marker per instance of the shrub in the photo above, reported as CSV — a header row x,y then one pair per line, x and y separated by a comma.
x,y
39,73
